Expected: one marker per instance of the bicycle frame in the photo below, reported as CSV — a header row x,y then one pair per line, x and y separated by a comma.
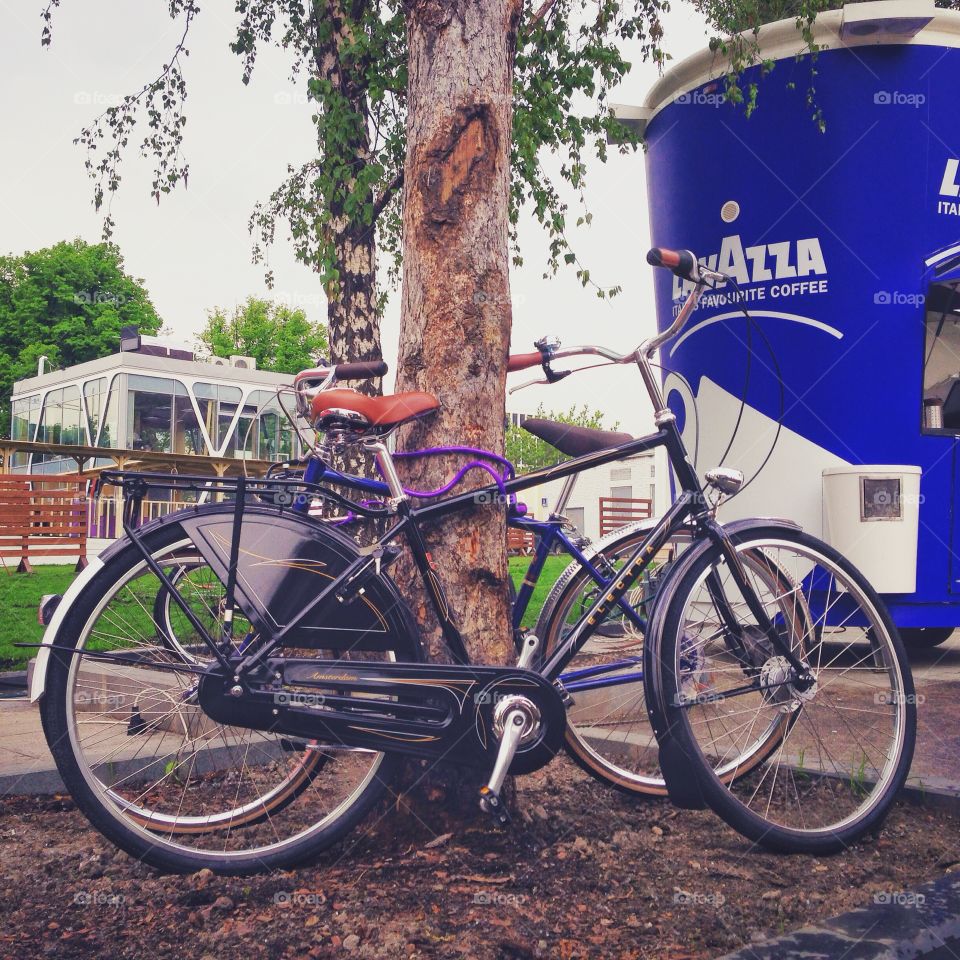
x,y
550,534
690,507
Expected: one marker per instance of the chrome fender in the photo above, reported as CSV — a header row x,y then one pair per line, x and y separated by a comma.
x,y
38,683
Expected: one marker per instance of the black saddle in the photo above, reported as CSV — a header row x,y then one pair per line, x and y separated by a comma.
x,y
574,441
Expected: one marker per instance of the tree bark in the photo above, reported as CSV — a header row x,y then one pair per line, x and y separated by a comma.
x,y
456,313
352,315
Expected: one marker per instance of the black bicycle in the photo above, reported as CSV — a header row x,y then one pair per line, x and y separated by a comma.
x,y
776,685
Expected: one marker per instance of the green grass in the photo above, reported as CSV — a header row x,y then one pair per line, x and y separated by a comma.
x,y
19,595
548,577
21,592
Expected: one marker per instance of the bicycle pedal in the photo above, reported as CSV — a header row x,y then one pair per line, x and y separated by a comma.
x,y
491,803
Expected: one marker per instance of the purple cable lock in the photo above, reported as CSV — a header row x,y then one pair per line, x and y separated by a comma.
x,y
499,479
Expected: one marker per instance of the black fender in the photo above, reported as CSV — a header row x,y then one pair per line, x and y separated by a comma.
x,y
285,560
679,770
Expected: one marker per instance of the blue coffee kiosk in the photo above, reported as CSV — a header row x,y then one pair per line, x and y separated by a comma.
x,y
846,249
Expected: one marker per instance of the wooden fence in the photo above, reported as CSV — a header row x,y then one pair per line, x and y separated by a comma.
x,y
616,512
43,515
520,542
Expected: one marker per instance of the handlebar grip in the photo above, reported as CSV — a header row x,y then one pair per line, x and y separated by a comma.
x,y
360,370
682,262
523,361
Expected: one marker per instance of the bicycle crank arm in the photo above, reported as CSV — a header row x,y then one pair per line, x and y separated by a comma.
x,y
432,711
516,721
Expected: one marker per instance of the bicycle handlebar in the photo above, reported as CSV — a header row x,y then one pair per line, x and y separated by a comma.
x,y
357,370
523,361
360,370
684,264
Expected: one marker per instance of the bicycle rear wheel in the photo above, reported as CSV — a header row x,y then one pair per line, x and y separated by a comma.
x,y
849,742
151,770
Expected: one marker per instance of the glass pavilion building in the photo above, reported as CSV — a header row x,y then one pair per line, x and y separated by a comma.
x,y
151,398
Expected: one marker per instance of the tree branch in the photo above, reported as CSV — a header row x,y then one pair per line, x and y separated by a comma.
x,y
388,191
545,8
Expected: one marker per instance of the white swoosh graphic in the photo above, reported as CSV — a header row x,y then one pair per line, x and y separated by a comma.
x,y
792,317
942,255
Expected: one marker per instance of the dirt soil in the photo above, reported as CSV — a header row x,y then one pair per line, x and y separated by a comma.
x,y
584,872
938,732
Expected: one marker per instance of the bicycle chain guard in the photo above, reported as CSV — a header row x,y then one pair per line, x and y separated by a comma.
x,y
433,711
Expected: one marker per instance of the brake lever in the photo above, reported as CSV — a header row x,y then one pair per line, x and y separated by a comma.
x,y
529,383
712,278
552,376
305,392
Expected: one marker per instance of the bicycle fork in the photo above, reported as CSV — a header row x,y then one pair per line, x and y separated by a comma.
x,y
803,678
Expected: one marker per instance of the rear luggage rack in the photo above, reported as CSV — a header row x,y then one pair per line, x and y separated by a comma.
x,y
284,493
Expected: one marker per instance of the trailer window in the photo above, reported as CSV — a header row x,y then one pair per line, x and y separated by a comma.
x,y
941,360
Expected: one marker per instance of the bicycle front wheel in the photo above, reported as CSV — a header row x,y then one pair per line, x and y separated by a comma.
x,y
851,726
609,733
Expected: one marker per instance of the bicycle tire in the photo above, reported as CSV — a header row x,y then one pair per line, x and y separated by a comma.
x,y
826,788
171,853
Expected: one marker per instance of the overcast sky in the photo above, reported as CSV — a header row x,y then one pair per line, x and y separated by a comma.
x,y
193,250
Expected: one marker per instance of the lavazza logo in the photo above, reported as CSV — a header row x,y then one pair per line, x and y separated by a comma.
x,y
767,271
950,188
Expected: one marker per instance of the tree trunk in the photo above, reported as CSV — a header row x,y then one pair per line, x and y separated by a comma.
x,y
352,315
353,322
352,309
456,314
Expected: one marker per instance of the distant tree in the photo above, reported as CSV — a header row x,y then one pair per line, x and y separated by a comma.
x,y
67,303
278,337
528,453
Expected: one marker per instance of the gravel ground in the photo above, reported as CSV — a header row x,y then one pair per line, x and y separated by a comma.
x,y
584,872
